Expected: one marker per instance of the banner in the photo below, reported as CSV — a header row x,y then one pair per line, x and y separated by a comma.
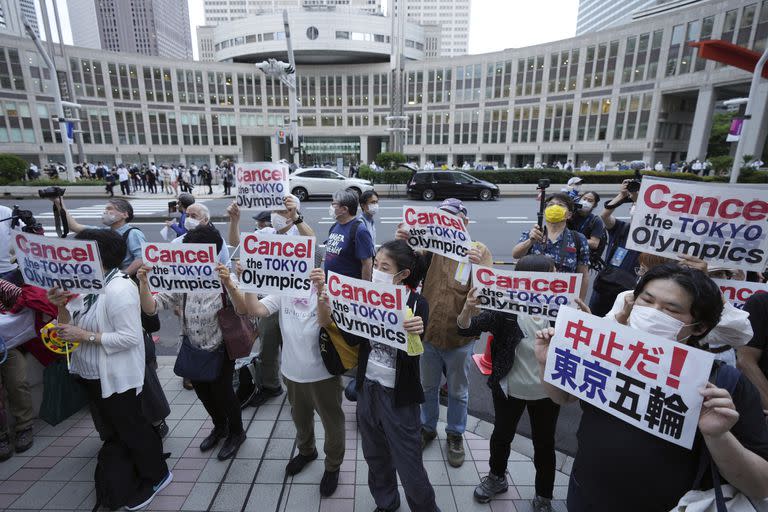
x,y
534,293
737,292
262,185
181,268
722,224
375,311
734,132
642,379
72,265
436,231
277,264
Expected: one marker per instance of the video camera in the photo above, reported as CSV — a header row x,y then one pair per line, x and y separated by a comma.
x,y
19,216
634,185
544,184
51,192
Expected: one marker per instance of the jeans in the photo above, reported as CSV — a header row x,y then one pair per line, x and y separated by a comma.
x,y
455,364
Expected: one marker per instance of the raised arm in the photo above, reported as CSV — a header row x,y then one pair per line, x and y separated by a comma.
x,y
323,303
148,304
233,228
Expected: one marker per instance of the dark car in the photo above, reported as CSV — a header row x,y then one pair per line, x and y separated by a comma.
x,y
429,185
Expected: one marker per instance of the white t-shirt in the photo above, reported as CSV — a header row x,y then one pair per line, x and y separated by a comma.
x,y
5,241
122,173
300,360
381,365
18,328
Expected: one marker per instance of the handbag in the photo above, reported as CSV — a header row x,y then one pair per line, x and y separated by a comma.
x,y
197,364
338,355
237,331
62,395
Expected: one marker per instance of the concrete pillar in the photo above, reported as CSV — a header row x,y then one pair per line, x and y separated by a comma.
x,y
422,160
478,157
702,124
754,132
537,157
364,148
449,160
607,158
275,148
507,161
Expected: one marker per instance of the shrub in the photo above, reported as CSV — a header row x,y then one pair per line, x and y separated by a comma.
x,y
57,183
721,164
12,168
390,160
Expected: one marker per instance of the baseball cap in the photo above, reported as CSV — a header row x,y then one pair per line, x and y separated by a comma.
x,y
186,199
574,181
454,206
265,216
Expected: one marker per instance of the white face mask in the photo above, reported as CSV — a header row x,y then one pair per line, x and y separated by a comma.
x,y
653,321
278,221
381,277
190,223
373,208
586,205
108,218
332,212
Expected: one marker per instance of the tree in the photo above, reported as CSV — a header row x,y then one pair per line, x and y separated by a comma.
x,y
390,160
12,168
721,125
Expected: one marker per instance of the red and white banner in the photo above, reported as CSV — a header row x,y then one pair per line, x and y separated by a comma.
x,y
262,185
436,231
182,268
737,292
277,264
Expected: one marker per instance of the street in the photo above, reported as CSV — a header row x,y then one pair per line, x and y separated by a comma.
x,y
497,224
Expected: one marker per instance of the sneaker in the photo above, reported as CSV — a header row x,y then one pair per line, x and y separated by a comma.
x,y
329,483
427,436
5,448
296,464
489,487
148,494
161,429
540,504
455,450
265,394
24,440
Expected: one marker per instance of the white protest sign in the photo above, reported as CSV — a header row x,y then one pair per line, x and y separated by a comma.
x,y
262,185
375,311
642,379
721,223
534,293
436,231
277,264
73,265
181,268
737,292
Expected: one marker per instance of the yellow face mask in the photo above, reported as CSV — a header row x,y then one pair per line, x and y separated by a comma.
x,y
555,213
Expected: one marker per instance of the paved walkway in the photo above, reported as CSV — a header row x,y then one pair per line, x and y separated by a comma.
x,y
57,472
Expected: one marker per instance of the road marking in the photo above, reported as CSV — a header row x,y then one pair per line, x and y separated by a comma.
x,y
506,218
140,207
518,222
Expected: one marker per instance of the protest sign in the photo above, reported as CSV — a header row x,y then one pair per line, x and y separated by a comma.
x,y
722,224
262,185
642,379
737,292
73,265
436,231
375,311
277,264
181,268
534,293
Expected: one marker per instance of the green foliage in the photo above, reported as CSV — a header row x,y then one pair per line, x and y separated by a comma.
x,y
385,177
721,124
722,163
507,176
754,177
12,168
390,160
56,183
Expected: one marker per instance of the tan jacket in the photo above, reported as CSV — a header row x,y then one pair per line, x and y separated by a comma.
x,y
446,297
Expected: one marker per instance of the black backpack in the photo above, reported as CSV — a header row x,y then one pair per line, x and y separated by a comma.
x,y
116,478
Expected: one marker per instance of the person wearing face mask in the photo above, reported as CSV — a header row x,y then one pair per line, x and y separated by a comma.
x,y
568,248
621,467
573,188
369,206
349,249
185,201
197,215
263,220
591,226
619,273
389,392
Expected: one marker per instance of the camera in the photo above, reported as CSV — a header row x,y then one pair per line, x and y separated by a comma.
x,y
31,225
634,185
543,183
51,192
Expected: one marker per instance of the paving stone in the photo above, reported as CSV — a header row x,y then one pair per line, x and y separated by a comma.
x,y
303,498
201,496
230,497
66,469
38,495
242,471
264,497
70,496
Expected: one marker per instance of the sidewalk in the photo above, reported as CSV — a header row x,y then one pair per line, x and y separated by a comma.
x,y
57,472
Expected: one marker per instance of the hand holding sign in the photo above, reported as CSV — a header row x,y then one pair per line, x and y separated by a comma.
x,y
437,231
59,297
262,185
718,412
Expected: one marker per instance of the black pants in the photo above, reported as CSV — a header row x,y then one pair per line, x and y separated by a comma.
x,y
125,187
219,398
120,419
227,186
543,414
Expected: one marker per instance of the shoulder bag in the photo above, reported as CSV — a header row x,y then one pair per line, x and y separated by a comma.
x,y
237,330
193,363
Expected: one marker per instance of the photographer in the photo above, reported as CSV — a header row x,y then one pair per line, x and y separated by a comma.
x,y
8,271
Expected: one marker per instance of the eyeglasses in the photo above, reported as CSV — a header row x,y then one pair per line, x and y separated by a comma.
x,y
640,271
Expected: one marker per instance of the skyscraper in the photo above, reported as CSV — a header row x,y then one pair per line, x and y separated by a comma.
x,y
149,27
596,15
219,11
205,43
12,14
452,16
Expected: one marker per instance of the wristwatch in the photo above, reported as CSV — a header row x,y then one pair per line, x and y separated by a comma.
x,y
299,219
92,338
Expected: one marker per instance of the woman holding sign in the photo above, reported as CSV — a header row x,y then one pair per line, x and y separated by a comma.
x,y
622,467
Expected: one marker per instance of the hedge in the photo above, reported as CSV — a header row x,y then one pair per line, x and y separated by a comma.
x,y
12,168
57,183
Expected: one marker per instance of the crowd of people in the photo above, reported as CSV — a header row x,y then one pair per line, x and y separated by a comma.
x,y
617,467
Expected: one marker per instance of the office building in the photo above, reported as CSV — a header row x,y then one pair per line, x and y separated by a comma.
x,y
220,11
601,14
84,23
13,13
205,43
452,16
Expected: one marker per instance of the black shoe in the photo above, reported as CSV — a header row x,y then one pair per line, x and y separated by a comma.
x,y
390,509
161,429
296,464
329,483
213,439
265,394
231,445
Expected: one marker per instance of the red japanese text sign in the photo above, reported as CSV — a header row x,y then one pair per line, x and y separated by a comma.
x,y
737,292
375,311
642,379
262,185
722,224
277,264
436,231
72,265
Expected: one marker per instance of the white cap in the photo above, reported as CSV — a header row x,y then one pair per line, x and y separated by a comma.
x,y
574,181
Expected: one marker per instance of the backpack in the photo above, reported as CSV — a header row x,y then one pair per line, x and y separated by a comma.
x,y
352,232
116,478
339,355
247,381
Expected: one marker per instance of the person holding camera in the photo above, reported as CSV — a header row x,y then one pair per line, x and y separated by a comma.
x,y
8,271
568,248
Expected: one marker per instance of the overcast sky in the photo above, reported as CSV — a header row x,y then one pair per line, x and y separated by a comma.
x,y
495,25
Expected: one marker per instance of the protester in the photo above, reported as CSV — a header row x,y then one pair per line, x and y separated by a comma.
x,y
207,177
197,216
124,177
263,220
569,249
515,387
369,206
310,387
588,224
8,270
349,249
200,329
753,358
184,201
670,301
110,362
228,178
445,350
389,393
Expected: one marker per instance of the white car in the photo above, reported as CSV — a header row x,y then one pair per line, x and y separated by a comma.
x,y
316,181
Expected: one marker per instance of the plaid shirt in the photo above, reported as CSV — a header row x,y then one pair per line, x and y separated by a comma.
x,y
565,261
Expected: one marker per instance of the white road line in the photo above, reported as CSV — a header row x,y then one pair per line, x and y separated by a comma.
x,y
506,218
519,222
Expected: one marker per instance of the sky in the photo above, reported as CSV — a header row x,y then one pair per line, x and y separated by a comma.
x,y
495,24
